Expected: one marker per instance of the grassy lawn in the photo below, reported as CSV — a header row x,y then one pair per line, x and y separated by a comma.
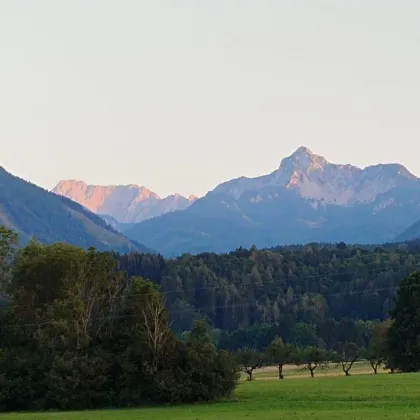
x,y
326,397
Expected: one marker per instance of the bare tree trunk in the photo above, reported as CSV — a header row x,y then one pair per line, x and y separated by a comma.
x,y
347,367
281,372
250,374
374,367
155,324
312,368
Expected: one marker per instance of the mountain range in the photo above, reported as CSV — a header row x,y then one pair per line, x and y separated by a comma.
x,y
34,212
306,199
123,203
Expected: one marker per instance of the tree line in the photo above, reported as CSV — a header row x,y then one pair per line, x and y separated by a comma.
x,y
278,353
393,343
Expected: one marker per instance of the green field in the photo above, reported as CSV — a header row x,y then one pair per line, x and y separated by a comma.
x,y
325,397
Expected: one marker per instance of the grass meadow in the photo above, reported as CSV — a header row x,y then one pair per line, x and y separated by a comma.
x,y
330,395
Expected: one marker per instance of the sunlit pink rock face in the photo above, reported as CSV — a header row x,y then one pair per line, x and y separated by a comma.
x,y
125,203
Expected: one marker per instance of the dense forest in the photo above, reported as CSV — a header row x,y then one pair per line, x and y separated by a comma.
x,y
308,294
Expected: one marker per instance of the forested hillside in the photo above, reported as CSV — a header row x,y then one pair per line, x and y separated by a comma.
x,y
35,212
311,290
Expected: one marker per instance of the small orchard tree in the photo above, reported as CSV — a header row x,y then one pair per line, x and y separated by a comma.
x,y
249,360
279,353
377,351
311,358
348,353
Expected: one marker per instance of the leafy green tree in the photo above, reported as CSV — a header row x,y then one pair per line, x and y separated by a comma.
x,y
403,341
311,358
212,373
280,354
40,272
348,353
249,360
378,350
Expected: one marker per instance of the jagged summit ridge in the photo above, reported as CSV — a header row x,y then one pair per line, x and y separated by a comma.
x,y
303,157
125,203
314,178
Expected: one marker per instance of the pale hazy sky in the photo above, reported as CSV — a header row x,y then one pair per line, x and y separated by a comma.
x,y
181,95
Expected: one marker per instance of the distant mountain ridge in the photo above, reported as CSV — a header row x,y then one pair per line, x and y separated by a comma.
x,y
34,212
313,177
124,203
307,199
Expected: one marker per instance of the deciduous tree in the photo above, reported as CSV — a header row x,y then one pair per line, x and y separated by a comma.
x,y
378,351
249,360
280,354
311,358
348,353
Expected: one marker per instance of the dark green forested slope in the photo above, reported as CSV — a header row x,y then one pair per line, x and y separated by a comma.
x,y
314,285
32,211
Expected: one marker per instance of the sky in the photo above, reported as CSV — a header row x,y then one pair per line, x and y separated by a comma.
x,y
182,95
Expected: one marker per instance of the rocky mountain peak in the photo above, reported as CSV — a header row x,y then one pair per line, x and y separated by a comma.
x,y
303,150
303,159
